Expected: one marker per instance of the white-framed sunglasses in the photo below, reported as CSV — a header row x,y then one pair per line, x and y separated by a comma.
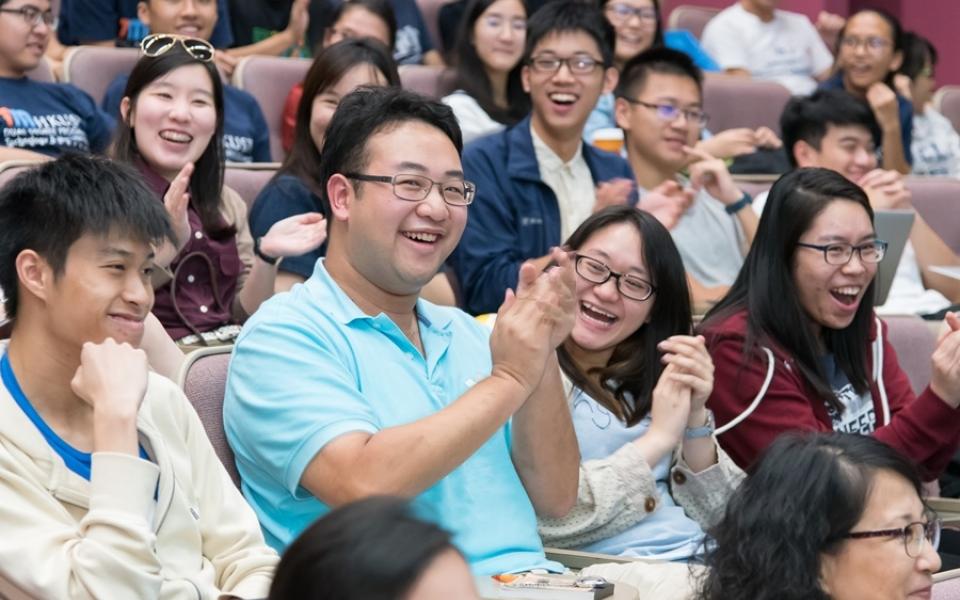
x,y
156,44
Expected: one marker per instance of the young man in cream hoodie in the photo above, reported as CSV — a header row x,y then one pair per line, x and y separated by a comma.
x,y
109,487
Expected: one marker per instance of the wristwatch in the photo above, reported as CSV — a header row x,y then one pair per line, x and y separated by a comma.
x,y
270,260
744,201
707,429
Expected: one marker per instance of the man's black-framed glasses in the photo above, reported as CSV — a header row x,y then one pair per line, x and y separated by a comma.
x,y
579,64
596,272
414,187
840,254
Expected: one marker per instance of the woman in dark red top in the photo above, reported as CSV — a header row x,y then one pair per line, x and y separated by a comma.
x,y
172,130
796,343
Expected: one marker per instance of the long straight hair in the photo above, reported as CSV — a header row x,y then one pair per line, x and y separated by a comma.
x,y
327,69
206,184
625,385
472,75
766,289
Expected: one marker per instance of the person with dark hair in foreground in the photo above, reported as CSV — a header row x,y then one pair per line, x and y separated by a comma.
x,y
373,390
799,342
825,517
109,487
373,549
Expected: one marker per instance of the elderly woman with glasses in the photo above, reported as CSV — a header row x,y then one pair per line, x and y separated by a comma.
x,y
652,478
172,131
825,517
798,342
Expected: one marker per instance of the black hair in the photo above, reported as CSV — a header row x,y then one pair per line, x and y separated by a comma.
x,y
369,110
625,385
327,69
765,286
372,549
797,504
569,17
49,207
206,184
807,118
657,33
896,31
472,75
917,50
662,60
381,8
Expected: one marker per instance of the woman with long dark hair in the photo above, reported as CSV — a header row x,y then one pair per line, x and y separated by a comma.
x,y
295,189
172,131
799,344
825,517
638,384
487,55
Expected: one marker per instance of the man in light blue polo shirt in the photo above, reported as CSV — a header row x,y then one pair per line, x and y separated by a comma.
x,y
350,385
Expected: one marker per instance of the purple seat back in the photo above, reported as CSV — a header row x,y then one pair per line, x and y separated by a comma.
x,y
93,68
247,182
937,199
737,102
203,378
947,101
269,80
433,82
691,18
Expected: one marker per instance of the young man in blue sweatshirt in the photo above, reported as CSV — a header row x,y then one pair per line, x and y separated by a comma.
x,y
537,181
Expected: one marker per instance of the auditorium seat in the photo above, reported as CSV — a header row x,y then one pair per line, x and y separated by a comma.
x,y
946,585
269,79
433,82
247,179
947,101
203,379
937,199
914,343
737,102
691,18
93,68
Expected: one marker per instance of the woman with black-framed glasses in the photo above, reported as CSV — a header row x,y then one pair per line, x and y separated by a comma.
x,y
825,517
800,344
638,384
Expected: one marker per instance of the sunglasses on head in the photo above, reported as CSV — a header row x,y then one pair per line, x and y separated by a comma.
x,y
156,44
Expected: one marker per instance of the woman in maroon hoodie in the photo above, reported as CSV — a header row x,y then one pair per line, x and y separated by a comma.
x,y
796,343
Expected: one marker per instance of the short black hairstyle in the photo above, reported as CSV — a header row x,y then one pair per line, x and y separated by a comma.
x,y
372,549
369,110
49,207
663,60
807,118
566,16
917,50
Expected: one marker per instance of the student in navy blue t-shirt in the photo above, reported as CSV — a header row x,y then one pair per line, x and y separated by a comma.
x,y
39,118
116,21
246,135
413,45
